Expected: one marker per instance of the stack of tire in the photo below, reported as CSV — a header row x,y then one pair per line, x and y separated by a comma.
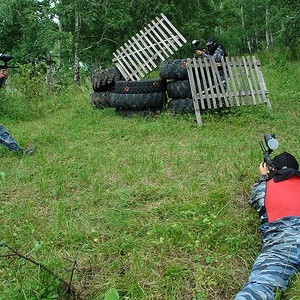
x,y
143,97
103,84
178,86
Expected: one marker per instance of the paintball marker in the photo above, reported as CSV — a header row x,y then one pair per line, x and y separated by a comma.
x,y
196,45
6,58
271,144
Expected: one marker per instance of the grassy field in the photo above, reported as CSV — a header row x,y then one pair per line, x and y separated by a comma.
x,y
143,208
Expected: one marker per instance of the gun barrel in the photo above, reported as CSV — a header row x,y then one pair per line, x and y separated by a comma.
x,y
262,146
267,158
8,67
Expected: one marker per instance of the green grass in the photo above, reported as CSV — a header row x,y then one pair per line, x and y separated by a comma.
x,y
155,208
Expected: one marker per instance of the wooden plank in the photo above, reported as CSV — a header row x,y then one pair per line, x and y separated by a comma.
x,y
232,75
225,70
137,56
219,85
142,46
215,92
155,39
205,88
156,53
163,43
243,81
170,34
212,97
204,84
235,82
199,82
166,41
130,63
260,79
124,55
123,63
254,80
177,33
143,54
190,70
141,63
236,75
122,69
243,77
231,87
135,63
249,80
126,63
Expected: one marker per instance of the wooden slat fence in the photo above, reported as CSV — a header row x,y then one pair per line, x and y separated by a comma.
x,y
242,83
138,56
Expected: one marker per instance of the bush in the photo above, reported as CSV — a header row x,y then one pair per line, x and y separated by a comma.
x,y
26,95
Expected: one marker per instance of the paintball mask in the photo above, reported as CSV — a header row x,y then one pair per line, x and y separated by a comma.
x,y
211,45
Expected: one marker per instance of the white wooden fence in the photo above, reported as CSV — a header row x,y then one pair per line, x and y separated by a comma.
x,y
138,56
243,83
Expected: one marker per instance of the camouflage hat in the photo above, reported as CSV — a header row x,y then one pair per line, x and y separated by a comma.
x,y
287,160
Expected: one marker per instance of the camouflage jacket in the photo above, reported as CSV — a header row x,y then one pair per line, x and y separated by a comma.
x,y
217,54
257,199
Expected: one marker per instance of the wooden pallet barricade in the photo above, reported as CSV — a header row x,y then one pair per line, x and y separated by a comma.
x,y
242,83
138,56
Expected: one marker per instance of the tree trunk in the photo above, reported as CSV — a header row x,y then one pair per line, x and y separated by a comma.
x,y
48,69
58,63
246,40
76,49
267,29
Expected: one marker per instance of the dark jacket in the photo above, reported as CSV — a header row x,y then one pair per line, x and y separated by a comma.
x,y
2,82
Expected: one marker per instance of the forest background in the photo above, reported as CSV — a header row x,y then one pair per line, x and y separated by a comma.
x,y
123,208
83,34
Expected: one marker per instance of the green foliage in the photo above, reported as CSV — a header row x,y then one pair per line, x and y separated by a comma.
x,y
112,294
26,96
44,31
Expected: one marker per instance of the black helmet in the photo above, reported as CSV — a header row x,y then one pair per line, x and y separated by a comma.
x,y
285,160
210,41
211,45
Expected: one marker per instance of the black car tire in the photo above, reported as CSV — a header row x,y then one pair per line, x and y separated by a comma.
x,y
100,99
179,89
173,69
106,79
181,106
138,101
141,87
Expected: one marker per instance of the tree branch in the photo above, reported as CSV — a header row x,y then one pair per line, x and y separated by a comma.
x,y
68,285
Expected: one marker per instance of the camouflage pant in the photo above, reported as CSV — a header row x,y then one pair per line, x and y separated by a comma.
x,y
7,141
278,260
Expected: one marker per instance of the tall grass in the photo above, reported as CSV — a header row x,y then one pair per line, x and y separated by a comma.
x,y
149,208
